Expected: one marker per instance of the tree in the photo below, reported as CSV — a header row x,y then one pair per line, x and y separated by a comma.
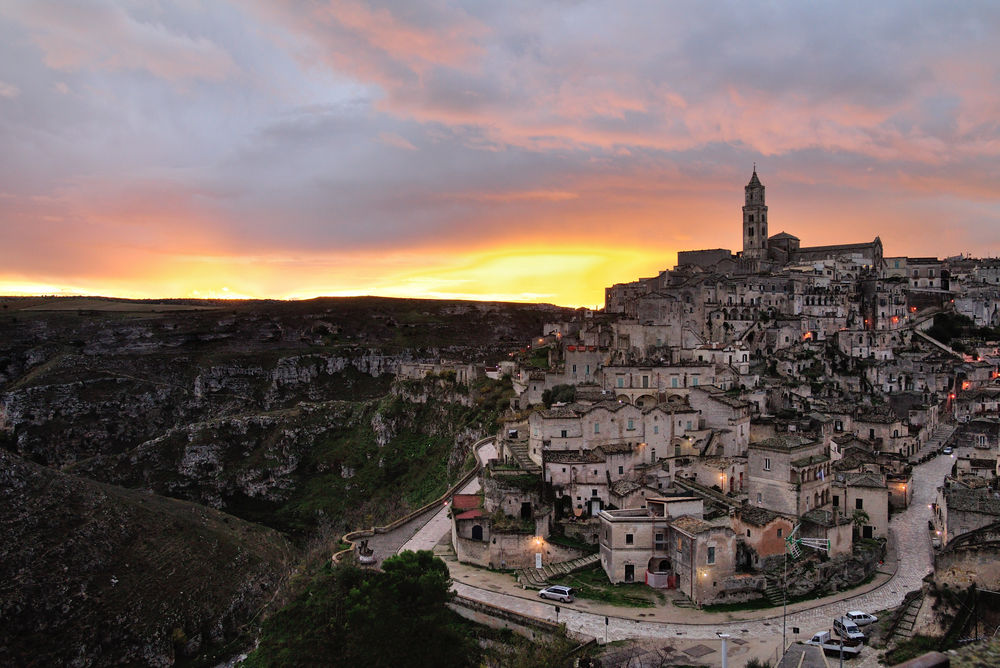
x,y
397,617
559,394
860,518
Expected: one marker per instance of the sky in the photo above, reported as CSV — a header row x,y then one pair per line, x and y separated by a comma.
x,y
523,151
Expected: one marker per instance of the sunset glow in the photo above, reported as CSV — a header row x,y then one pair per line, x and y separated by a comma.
x,y
515,151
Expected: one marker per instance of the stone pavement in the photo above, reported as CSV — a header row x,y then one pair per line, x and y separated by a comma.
x,y
424,531
909,546
912,552
440,524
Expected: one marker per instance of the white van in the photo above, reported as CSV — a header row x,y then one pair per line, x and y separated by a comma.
x,y
845,628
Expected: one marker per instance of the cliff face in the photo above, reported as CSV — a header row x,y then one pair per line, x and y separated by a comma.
x,y
80,384
282,414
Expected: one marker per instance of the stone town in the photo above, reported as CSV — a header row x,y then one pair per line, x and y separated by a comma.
x,y
742,408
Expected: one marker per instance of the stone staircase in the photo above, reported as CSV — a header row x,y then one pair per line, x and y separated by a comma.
x,y
773,594
520,451
903,628
538,578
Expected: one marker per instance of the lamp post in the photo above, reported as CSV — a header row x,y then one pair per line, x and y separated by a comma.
x,y
725,659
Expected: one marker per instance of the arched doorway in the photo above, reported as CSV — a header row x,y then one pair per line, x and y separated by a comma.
x,y
477,532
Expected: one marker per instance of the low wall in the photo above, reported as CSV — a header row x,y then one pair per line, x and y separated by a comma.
x,y
497,617
436,503
512,551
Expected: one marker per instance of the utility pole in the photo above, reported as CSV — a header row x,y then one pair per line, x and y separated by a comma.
x,y
784,603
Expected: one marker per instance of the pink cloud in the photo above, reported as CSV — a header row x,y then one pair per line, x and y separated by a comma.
x,y
103,36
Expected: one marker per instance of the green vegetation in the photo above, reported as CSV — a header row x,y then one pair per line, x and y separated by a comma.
x,y
350,616
566,541
592,583
538,358
559,394
911,648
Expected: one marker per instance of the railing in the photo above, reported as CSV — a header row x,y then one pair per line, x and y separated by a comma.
x,y
464,480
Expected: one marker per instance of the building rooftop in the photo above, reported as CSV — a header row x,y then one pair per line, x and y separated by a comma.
x,y
786,442
623,487
466,501
757,517
864,479
574,457
972,501
690,525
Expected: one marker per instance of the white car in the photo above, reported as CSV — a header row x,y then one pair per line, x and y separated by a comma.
x,y
558,593
861,618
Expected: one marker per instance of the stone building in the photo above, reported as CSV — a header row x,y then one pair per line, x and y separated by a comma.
x,y
867,492
760,535
789,474
959,510
665,550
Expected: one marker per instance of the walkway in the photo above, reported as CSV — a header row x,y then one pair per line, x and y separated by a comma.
x,y
914,561
439,525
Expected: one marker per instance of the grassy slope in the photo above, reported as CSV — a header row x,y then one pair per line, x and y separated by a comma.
x,y
96,571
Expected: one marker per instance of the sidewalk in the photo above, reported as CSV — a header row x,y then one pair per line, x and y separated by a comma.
x,y
664,611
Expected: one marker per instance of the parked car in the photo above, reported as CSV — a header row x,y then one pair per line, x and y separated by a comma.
x,y
558,593
947,450
861,618
832,645
847,629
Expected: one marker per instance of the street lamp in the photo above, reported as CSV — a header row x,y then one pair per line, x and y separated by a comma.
x,y
724,637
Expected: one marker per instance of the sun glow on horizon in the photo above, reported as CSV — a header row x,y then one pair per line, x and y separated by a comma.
x,y
571,276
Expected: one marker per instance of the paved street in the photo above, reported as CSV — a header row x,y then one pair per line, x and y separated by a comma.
x,y
440,524
912,542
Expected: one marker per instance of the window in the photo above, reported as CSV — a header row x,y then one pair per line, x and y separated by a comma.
x,y
621,470
562,434
597,427
656,429
645,381
574,369
711,556
631,423
680,544
836,500
767,463
694,381
758,498
748,533
673,382
629,539
621,382
593,493
688,425
779,532
859,503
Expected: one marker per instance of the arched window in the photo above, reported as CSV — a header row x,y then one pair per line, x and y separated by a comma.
x,y
477,532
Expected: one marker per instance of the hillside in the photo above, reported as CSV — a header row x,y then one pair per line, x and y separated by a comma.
x,y
284,414
96,574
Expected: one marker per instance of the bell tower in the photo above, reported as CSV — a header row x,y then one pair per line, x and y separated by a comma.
x,y
754,220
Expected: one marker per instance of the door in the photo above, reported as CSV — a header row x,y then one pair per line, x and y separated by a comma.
x,y
629,573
